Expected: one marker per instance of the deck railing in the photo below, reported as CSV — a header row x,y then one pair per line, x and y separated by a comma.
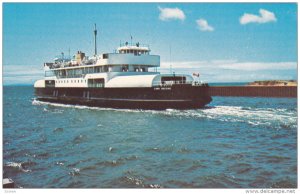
x,y
170,83
134,44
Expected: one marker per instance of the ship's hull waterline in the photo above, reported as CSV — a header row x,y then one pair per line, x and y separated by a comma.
x,y
177,97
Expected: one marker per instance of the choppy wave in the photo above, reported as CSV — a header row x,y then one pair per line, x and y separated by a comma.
x,y
79,139
74,172
117,162
133,181
17,165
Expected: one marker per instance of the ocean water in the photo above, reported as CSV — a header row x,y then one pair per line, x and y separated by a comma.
x,y
233,143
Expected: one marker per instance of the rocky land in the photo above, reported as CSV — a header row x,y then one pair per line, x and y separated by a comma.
x,y
274,83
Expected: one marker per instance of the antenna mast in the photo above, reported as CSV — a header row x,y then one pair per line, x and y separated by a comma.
x,y
95,34
69,54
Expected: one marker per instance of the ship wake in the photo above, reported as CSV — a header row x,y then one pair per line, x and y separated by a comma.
x,y
285,118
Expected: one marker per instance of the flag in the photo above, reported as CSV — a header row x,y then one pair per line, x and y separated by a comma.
x,y
196,74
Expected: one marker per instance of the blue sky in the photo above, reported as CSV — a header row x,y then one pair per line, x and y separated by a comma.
x,y
225,42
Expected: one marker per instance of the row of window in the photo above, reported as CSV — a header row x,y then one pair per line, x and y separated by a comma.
x,y
80,71
77,73
71,81
135,52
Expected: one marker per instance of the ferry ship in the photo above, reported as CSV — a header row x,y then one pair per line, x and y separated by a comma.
x,y
126,78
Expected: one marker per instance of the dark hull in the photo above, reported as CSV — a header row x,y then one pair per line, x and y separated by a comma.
x,y
177,97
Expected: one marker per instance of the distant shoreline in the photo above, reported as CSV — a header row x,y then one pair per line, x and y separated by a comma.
x,y
273,83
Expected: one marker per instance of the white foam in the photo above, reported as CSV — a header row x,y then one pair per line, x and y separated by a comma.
x,y
16,165
37,102
254,116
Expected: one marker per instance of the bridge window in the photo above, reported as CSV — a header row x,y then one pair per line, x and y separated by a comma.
x,y
105,56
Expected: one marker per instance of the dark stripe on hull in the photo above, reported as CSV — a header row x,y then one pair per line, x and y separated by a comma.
x,y
178,97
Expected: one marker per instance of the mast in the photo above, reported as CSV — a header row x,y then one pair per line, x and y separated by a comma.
x,y
69,54
95,36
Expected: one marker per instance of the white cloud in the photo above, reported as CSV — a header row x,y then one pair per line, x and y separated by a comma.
x,y
21,74
203,25
250,66
264,17
21,69
171,14
184,64
255,66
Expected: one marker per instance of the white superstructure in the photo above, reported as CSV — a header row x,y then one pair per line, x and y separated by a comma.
x,y
131,65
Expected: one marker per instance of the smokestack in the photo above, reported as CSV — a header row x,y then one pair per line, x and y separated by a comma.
x,y
95,34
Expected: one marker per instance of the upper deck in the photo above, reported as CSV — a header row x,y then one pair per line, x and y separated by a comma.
x,y
130,57
130,54
136,49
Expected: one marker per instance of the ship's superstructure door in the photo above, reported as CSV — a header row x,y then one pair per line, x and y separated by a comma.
x,y
96,83
49,83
